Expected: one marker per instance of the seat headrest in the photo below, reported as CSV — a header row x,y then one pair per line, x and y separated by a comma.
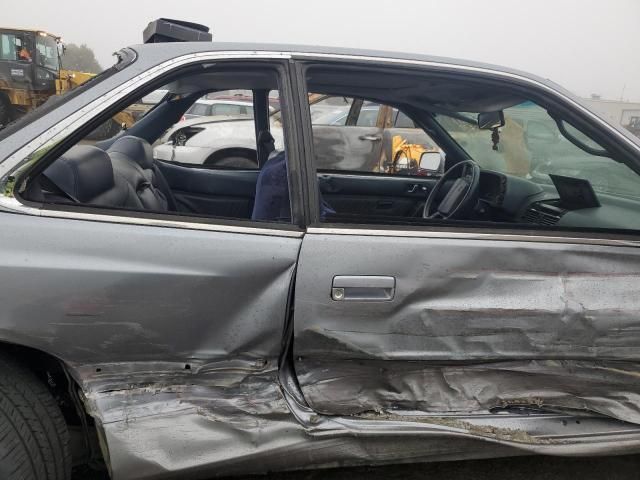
x,y
137,149
83,172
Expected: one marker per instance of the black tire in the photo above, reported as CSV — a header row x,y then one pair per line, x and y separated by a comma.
x,y
34,440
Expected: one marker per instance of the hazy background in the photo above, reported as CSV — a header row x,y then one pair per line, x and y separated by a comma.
x,y
588,46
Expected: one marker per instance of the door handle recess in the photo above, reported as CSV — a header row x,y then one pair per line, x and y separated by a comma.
x,y
371,138
369,288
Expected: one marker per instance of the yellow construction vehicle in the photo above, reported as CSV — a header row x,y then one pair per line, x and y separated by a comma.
x,y
31,72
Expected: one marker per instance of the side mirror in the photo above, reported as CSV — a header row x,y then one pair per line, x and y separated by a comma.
x,y
539,134
431,162
490,120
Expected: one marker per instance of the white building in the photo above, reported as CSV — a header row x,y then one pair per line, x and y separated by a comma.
x,y
626,114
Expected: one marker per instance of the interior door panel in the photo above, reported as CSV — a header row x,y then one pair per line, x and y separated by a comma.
x,y
386,195
220,193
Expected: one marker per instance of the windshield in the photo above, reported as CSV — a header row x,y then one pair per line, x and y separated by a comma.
x,y
531,146
47,52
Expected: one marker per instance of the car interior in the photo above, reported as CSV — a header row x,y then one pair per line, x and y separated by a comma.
x,y
482,192
121,172
455,111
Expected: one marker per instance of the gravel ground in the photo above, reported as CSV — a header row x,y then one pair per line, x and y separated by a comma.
x,y
516,468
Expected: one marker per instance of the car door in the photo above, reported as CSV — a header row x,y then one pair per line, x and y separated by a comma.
x,y
159,316
413,321
355,129
446,323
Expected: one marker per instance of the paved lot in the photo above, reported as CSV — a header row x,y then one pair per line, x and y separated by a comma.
x,y
519,468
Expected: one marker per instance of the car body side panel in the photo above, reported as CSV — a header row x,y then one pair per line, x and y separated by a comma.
x,y
473,325
101,291
144,316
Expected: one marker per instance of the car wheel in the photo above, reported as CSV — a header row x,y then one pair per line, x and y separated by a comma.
x,y
234,162
34,440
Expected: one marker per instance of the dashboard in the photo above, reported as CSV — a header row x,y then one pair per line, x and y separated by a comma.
x,y
567,202
493,187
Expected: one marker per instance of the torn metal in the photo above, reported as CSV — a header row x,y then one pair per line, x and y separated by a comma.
x,y
607,388
231,417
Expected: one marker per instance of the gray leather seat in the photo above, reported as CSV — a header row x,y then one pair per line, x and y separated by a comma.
x,y
132,159
85,175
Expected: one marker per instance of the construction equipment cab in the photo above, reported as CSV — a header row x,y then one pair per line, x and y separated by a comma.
x,y
29,68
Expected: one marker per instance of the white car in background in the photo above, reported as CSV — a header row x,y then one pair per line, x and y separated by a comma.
x,y
230,141
220,108
221,141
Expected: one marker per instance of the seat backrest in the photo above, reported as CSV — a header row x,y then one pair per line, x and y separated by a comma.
x,y
272,190
132,158
84,175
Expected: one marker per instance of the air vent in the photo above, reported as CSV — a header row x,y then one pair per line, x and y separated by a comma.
x,y
542,214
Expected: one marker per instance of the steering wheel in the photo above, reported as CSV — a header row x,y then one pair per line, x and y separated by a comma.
x,y
461,198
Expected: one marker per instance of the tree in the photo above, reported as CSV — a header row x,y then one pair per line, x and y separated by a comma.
x,y
80,58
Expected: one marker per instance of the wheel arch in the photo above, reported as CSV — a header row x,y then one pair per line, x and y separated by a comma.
x,y
243,152
54,373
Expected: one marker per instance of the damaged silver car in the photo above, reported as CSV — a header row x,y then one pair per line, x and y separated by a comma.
x,y
175,320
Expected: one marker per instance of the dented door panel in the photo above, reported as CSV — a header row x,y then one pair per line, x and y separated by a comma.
x,y
474,326
172,334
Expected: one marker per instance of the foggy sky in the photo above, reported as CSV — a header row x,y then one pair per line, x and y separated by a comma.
x,y
588,46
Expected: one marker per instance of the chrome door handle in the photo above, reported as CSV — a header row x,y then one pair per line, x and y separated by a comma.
x,y
371,138
376,288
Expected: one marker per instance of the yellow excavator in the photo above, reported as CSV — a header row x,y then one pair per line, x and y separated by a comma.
x,y
31,72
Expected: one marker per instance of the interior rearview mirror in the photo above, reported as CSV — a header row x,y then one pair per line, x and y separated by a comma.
x,y
490,120
431,162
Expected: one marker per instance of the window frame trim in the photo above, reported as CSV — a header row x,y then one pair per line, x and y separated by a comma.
x,y
466,233
151,219
534,88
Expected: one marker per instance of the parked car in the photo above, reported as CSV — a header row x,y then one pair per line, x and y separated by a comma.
x,y
173,320
215,142
232,141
